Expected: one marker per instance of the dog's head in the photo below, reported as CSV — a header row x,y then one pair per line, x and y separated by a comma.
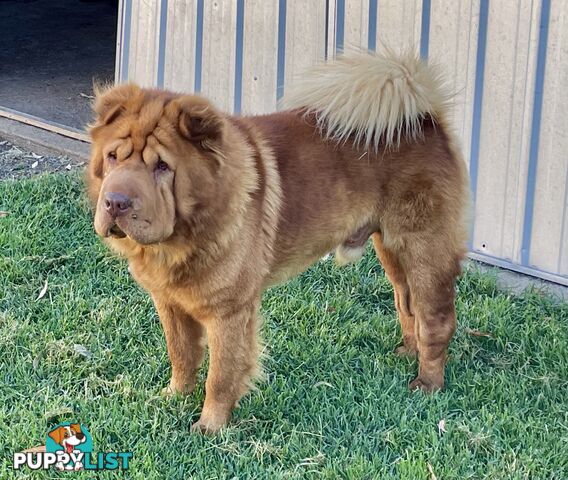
x,y
156,158
68,436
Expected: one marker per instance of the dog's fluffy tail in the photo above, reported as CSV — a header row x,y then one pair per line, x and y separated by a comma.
x,y
372,98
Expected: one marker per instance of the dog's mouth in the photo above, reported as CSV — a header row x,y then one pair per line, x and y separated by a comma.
x,y
116,232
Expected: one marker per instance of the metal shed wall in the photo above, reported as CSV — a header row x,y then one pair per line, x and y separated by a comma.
x,y
507,63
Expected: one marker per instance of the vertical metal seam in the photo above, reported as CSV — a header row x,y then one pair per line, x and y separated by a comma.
x,y
478,102
372,31
425,29
162,42
535,131
239,45
126,29
198,47
339,26
563,229
281,57
119,40
326,30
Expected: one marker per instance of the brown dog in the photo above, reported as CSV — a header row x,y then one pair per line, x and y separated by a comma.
x,y
211,209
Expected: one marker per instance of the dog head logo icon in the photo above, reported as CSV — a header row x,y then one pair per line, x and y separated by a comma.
x,y
72,439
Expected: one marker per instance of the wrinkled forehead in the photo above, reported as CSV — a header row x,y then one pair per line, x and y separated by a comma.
x,y
138,125
144,131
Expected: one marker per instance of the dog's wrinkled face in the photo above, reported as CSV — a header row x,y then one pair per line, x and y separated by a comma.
x,y
154,160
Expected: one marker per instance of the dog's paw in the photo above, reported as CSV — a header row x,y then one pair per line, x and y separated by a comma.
x,y
207,426
171,391
405,351
167,392
425,385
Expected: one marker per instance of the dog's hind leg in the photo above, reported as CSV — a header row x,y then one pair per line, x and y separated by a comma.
x,y
233,363
431,266
186,346
394,272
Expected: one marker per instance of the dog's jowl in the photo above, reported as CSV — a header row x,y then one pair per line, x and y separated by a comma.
x,y
210,209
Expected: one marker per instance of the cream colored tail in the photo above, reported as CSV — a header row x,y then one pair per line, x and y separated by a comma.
x,y
372,98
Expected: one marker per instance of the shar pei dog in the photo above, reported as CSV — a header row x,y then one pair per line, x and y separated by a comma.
x,y
210,209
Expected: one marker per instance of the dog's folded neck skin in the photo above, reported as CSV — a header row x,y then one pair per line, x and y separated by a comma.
x,y
207,235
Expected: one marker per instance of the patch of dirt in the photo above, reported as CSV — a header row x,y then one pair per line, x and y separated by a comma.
x,y
16,163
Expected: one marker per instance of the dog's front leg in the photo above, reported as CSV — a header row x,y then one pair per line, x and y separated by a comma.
x,y
186,345
233,362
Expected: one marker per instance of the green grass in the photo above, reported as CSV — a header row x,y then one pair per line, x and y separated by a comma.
x,y
335,404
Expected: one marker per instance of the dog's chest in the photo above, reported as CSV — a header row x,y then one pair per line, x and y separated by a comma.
x,y
196,295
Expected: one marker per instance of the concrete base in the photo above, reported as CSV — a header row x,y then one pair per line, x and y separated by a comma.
x,y
516,283
42,141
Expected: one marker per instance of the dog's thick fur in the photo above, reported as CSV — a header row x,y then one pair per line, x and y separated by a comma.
x,y
211,209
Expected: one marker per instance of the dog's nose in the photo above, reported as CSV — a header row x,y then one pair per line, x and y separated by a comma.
x,y
117,204
80,435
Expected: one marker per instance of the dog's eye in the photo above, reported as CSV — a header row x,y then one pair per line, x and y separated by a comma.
x,y
161,166
111,157
66,435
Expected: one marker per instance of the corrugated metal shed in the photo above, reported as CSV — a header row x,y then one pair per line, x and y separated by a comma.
x,y
506,61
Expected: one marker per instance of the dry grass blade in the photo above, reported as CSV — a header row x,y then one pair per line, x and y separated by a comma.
x,y
38,449
43,292
477,333
432,474
82,350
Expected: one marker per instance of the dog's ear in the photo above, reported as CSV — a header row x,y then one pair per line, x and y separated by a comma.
x,y
111,102
57,435
75,428
199,121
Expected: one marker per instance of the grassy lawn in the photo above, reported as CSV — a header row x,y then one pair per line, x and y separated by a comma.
x,y
335,404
